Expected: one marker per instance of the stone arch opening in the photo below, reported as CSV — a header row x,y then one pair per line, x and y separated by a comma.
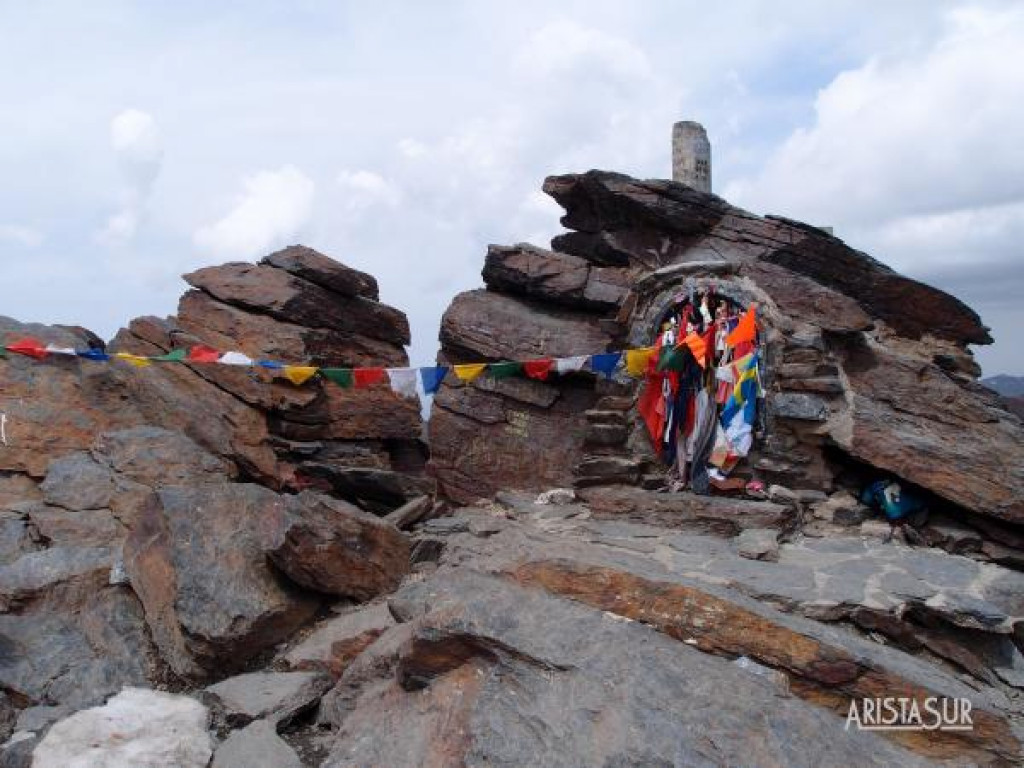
x,y
702,400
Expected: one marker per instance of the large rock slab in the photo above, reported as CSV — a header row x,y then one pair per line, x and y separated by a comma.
x,y
265,288
137,727
197,560
329,546
255,746
277,696
491,673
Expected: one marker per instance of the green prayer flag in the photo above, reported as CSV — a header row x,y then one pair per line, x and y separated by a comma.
x,y
671,359
174,356
340,376
505,370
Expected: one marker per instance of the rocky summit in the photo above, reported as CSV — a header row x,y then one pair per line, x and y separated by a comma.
x,y
257,565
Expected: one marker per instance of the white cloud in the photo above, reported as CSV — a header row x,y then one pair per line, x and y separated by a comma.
x,y
364,189
565,48
920,133
273,207
16,234
135,139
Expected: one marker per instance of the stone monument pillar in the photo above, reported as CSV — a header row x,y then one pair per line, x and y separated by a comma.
x,y
691,155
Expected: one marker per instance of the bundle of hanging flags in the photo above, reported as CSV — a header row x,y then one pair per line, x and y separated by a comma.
x,y
401,380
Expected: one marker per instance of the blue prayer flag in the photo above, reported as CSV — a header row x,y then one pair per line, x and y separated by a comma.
x,y
605,363
93,354
432,378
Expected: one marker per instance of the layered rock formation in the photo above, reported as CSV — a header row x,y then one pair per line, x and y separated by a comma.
x,y
865,368
273,552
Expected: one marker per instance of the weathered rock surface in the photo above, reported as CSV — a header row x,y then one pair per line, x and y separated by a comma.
x,y
255,746
334,644
276,696
554,633
329,546
197,559
137,727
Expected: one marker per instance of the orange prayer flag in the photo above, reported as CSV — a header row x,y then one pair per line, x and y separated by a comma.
x,y
698,346
746,329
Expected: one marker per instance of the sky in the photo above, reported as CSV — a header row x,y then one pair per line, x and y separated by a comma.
x,y
141,140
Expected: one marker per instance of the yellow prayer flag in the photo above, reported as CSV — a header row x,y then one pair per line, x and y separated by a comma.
x,y
299,374
137,360
636,361
469,371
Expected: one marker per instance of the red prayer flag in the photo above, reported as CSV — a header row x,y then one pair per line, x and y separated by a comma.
x,y
367,377
30,347
538,369
200,353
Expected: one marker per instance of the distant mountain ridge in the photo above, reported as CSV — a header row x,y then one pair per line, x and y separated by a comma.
x,y
1007,386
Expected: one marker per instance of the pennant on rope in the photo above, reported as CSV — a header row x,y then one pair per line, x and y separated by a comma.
x,y
52,349
201,353
403,381
367,377
271,364
673,358
97,355
299,374
605,363
570,364
698,345
235,358
137,360
29,347
432,378
504,370
174,356
538,369
637,359
340,376
469,371
746,328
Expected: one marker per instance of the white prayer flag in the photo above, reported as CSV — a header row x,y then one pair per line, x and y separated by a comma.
x,y
570,364
403,381
235,358
55,350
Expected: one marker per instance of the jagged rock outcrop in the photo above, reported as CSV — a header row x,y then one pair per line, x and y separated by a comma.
x,y
863,366
296,306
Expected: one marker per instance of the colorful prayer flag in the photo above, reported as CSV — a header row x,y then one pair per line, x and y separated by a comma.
x,y
299,374
698,345
201,353
367,377
637,360
504,370
746,328
432,378
97,355
469,371
340,376
235,358
53,349
137,360
538,369
29,347
174,356
403,381
565,365
605,363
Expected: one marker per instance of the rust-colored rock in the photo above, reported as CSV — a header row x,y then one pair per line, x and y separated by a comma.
x,y
332,547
